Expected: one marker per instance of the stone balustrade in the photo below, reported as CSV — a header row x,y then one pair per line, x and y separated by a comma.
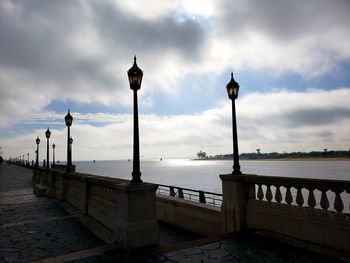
x,y
328,195
313,210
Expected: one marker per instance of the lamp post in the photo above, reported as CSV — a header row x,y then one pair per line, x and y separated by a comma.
x,y
37,152
135,78
53,153
69,120
70,148
232,92
47,134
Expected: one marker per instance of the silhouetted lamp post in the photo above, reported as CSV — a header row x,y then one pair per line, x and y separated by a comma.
x,y
53,153
69,120
135,78
37,152
47,134
70,148
232,92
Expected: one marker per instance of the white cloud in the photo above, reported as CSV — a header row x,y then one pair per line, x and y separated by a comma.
x,y
80,50
275,121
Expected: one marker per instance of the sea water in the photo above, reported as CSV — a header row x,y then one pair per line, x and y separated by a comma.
x,y
204,174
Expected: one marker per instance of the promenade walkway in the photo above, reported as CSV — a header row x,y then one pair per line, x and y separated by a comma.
x,y
36,229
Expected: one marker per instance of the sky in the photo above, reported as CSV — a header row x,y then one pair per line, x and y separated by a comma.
x,y
290,58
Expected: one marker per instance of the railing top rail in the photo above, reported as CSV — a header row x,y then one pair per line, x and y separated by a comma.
x,y
192,190
294,181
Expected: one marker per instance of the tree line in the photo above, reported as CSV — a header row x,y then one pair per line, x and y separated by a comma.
x,y
275,155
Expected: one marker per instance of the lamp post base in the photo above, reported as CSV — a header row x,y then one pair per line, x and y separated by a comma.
x,y
236,170
136,178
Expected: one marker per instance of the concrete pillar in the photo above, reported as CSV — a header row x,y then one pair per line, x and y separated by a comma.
x,y
137,225
235,196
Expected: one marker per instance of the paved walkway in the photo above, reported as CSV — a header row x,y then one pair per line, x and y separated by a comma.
x,y
45,230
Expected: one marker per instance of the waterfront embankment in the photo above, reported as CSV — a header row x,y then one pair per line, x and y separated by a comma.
x,y
34,229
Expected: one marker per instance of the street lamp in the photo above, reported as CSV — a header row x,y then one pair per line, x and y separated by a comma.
x,y
69,120
47,134
37,152
135,78
232,92
70,148
53,153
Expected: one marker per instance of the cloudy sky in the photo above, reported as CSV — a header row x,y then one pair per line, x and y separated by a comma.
x,y
291,59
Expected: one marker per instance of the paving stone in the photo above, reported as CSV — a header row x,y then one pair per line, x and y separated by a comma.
x,y
210,260
10,258
200,257
218,253
157,258
192,251
229,259
191,260
177,257
211,246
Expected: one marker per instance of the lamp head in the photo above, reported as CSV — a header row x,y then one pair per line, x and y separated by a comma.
x,y
135,75
68,119
47,133
232,88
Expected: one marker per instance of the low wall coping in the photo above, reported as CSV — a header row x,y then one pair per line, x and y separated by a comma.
x,y
130,188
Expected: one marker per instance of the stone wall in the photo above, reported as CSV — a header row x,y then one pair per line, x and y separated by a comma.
x,y
199,218
129,210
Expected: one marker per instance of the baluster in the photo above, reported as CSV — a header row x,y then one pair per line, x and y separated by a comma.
x,y
109,194
104,192
268,193
278,195
172,192
252,191
180,193
311,201
324,200
338,202
260,192
99,191
299,198
201,197
289,197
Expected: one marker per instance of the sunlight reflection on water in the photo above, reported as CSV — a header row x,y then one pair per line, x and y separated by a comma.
x,y
204,175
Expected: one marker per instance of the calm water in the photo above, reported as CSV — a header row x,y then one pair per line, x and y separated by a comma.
x,y
204,175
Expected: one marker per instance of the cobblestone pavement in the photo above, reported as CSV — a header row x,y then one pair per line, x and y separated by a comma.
x,y
245,247
33,228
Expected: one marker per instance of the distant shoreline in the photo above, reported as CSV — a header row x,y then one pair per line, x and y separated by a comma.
x,y
281,159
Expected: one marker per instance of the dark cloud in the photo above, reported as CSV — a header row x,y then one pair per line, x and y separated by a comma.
x,y
316,117
156,36
38,44
285,20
